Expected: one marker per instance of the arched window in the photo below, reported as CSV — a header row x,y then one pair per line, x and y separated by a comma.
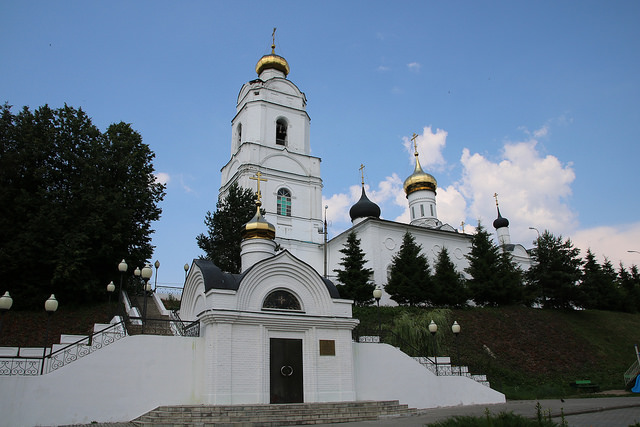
x,y
281,300
284,202
239,134
281,131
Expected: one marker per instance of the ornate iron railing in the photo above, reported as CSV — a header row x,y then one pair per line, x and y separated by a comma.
x,y
168,327
50,361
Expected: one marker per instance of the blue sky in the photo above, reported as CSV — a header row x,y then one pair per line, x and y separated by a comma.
x,y
537,101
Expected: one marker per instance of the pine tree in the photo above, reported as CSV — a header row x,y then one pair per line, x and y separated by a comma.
x,y
354,277
449,286
409,279
221,244
484,259
553,278
629,283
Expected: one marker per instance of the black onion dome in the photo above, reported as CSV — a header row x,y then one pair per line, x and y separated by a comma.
x,y
364,208
500,221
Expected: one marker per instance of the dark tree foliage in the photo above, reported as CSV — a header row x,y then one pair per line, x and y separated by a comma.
x,y
629,282
495,279
73,203
353,275
221,244
409,279
449,286
599,288
553,278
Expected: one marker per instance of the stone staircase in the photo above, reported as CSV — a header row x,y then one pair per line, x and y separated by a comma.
x,y
157,322
446,369
272,415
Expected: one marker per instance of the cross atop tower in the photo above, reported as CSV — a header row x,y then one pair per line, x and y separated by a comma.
x,y
415,144
273,41
362,173
495,196
258,178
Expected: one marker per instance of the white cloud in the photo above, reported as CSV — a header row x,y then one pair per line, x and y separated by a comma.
x,y
430,146
162,178
614,242
532,190
414,66
383,68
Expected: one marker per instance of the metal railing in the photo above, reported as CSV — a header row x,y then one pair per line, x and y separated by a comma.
x,y
631,373
49,361
167,327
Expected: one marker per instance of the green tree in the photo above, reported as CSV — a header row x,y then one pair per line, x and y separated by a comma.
x,y
409,279
449,286
629,282
599,285
353,276
221,244
73,202
553,278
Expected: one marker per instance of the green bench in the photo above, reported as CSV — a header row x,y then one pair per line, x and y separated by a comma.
x,y
585,385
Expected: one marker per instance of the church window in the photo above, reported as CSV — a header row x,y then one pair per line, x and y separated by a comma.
x,y
281,132
413,212
239,134
281,300
432,214
421,210
284,202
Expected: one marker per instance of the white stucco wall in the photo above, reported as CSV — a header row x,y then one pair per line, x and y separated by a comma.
x,y
385,373
117,383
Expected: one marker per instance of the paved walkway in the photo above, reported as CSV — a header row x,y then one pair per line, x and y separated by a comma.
x,y
587,412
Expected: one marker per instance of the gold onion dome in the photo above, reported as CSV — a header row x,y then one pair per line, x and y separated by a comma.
x,y
274,61
419,180
258,227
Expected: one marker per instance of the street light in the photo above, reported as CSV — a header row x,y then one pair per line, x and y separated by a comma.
x,y
186,269
122,268
455,328
5,304
155,284
433,328
146,275
50,306
533,228
377,294
110,288
637,252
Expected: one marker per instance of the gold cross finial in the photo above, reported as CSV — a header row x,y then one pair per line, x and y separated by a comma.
x,y
495,196
258,178
273,41
415,144
462,224
362,172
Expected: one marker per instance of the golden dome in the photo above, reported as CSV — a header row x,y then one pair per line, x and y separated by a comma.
x,y
274,61
258,227
419,180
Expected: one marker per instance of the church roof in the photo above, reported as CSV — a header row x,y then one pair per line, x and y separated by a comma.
x,y
215,278
258,227
364,208
273,61
419,180
500,221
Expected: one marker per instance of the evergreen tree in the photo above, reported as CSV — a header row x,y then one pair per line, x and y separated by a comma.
x,y
73,202
354,277
221,244
510,277
483,267
553,277
449,286
629,283
409,279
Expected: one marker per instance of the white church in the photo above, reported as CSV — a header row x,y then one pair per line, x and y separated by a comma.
x,y
278,332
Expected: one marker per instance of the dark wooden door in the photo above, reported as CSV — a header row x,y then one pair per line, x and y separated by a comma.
x,y
286,370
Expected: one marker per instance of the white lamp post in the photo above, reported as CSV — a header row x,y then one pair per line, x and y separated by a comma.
x,y
155,284
5,304
50,306
110,288
146,275
433,328
377,294
455,328
186,269
122,268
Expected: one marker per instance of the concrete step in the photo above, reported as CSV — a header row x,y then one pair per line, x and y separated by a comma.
x,y
273,415
72,339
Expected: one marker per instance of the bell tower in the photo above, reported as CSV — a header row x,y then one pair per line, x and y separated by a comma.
x,y
270,135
